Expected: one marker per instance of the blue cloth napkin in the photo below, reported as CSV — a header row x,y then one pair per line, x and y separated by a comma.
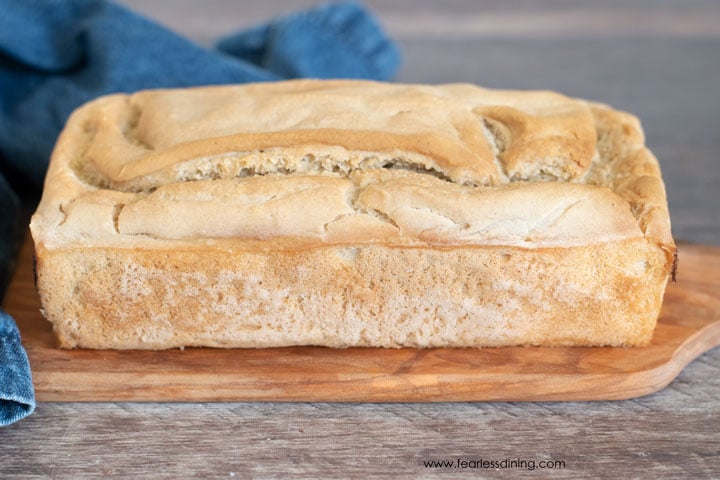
x,y
58,54
17,398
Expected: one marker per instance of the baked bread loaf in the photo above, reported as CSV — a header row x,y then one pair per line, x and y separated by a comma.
x,y
351,213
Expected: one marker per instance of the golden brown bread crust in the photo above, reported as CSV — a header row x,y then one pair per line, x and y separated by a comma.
x,y
338,296
199,183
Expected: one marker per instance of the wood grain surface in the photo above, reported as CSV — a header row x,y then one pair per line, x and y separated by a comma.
x,y
689,325
660,60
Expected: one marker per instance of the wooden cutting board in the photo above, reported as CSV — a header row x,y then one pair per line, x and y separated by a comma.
x,y
689,325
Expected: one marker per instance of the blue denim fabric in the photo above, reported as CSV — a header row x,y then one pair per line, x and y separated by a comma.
x,y
17,398
58,54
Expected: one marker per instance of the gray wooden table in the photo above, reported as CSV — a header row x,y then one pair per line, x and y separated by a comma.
x,y
660,60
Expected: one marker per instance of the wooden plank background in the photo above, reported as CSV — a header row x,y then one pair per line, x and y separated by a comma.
x,y
660,60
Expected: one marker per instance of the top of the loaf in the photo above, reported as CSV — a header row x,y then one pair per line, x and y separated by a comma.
x,y
348,162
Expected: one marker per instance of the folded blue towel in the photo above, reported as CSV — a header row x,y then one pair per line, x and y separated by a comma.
x,y
17,399
58,54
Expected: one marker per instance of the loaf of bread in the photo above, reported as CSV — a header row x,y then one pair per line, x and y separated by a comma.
x,y
351,213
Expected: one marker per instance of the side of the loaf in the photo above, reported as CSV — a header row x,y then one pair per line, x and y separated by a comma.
x,y
341,296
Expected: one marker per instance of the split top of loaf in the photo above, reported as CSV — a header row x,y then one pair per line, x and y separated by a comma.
x,y
349,162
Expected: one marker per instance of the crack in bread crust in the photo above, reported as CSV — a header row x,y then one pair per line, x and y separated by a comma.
x,y
389,141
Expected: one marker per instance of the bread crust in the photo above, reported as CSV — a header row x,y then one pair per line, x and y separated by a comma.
x,y
340,296
315,188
